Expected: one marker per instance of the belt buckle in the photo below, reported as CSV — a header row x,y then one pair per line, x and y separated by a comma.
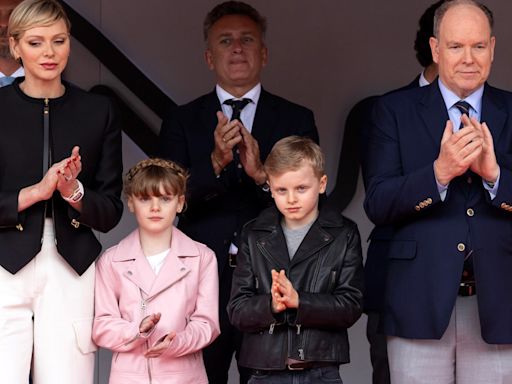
x,y
467,289
296,368
232,260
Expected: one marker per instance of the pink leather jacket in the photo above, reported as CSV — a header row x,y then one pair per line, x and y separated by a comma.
x,y
185,292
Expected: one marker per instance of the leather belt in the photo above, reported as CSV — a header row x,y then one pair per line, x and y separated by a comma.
x,y
467,288
309,365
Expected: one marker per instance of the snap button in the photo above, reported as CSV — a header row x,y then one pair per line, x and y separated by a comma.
x,y
461,247
470,212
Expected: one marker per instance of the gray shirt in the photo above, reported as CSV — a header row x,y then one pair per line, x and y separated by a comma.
x,y
295,236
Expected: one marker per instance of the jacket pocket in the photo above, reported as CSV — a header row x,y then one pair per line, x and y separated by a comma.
x,y
402,249
83,331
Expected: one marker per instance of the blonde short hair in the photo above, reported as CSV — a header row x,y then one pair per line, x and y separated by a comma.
x,y
145,178
290,153
35,13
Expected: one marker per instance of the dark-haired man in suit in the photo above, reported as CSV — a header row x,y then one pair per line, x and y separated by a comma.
x,y
222,138
439,184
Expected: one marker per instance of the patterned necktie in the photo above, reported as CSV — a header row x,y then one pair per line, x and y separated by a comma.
x,y
6,81
237,106
463,107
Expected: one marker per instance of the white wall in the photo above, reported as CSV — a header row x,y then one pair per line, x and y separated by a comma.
x,y
325,54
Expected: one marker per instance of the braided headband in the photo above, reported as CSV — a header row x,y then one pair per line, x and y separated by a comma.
x,y
158,163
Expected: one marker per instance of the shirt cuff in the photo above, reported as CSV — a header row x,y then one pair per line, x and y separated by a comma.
x,y
492,188
442,189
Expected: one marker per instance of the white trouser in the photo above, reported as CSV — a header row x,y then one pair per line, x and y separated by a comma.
x,y
460,356
46,310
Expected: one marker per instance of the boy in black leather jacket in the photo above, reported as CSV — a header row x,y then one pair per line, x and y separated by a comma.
x,y
298,282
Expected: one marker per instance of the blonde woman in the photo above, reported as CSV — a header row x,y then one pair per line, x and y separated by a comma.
x,y
60,177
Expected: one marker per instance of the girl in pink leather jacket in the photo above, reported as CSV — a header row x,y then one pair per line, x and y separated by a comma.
x,y
156,303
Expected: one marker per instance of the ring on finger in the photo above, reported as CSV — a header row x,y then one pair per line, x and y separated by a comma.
x,y
67,178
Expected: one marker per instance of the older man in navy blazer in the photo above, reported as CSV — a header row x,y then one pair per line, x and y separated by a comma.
x,y
439,184
222,138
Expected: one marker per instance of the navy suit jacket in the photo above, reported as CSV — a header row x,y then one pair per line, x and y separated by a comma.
x,y
219,207
420,235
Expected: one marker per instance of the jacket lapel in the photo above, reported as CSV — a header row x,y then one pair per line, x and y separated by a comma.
x,y
433,113
136,266
174,268
209,113
265,121
271,243
494,113
315,239
274,248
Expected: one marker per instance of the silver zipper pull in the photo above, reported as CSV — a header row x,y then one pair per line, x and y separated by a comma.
x,y
271,330
301,353
298,328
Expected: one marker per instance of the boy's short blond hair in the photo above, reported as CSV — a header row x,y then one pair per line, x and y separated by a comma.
x,y
290,153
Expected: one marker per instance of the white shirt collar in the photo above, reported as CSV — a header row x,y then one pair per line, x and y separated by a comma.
x,y
450,98
253,94
423,80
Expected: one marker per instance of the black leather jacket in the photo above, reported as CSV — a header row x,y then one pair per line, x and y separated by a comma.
x,y
327,273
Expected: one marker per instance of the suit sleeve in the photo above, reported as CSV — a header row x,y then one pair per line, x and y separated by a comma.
x,y
393,194
503,199
101,205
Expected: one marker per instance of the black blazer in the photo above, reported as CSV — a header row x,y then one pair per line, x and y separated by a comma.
x,y
76,118
423,236
218,207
